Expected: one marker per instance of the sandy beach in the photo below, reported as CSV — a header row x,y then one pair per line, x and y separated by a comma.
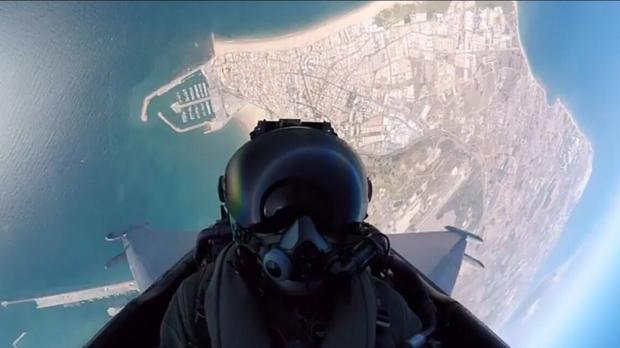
x,y
302,37
248,116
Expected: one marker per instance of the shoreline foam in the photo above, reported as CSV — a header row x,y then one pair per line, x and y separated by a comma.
x,y
301,37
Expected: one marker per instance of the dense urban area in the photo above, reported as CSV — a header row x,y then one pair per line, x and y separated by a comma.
x,y
439,100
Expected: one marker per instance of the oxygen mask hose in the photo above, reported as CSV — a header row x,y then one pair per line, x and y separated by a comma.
x,y
376,244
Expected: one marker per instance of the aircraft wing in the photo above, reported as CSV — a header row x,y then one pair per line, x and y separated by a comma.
x,y
150,253
436,254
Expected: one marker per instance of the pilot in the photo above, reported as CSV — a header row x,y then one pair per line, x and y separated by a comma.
x,y
296,197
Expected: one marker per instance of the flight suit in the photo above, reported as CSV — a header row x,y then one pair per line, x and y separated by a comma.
x,y
374,316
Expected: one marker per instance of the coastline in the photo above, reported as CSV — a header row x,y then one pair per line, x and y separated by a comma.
x,y
571,118
247,119
248,116
301,37
557,103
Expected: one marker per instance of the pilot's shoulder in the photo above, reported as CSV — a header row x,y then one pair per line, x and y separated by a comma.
x,y
404,323
178,327
187,291
182,304
385,291
193,287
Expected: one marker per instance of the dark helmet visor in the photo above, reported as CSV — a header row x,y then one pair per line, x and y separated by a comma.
x,y
296,170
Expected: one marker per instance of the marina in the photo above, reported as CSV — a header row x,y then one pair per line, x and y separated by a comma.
x,y
184,104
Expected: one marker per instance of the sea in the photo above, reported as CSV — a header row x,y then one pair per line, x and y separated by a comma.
x,y
75,160
574,52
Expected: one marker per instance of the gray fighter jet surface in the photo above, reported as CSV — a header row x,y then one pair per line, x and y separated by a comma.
x,y
425,265
439,255
150,253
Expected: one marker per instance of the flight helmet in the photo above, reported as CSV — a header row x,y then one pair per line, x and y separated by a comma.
x,y
294,194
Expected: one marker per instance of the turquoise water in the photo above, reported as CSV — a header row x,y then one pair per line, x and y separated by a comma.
x,y
76,162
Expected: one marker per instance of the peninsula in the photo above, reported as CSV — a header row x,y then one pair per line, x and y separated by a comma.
x,y
439,93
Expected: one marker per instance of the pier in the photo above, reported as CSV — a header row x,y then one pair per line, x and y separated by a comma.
x,y
79,296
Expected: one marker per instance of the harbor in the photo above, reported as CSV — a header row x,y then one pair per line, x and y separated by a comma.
x,y
186,103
